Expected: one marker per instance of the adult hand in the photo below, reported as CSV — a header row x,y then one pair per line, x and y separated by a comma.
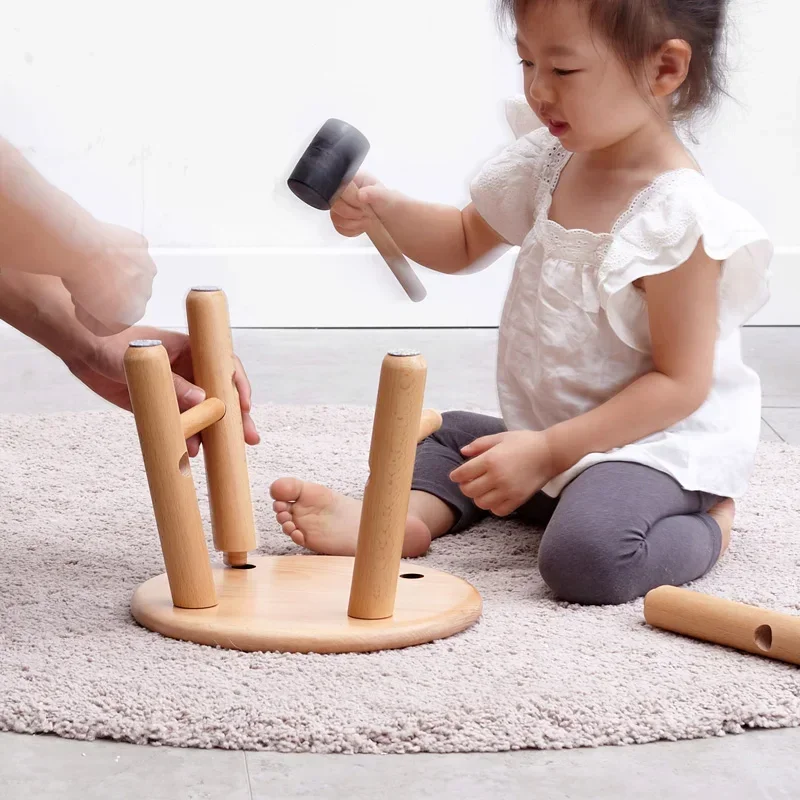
x,y
102,370
110,279
505,470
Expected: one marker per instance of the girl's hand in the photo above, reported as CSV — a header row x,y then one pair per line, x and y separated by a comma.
x,y
359,204
505,470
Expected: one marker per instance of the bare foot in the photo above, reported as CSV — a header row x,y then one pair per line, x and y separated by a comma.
x,y
327,522
723,513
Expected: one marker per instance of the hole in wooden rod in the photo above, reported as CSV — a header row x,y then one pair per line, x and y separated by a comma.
x,y
244,566
763,637
412,576
184,465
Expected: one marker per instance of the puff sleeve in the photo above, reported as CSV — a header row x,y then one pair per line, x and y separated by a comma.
x,y
660,231
505,190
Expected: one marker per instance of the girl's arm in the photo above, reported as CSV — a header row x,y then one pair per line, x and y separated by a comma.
x,y
682,306
442,238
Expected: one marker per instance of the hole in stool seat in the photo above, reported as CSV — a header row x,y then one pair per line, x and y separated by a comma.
x,y
412,576
244,566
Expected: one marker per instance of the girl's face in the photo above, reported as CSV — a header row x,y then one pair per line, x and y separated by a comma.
x,y
574,82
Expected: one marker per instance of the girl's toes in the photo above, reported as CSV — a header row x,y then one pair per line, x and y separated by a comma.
x,y
284,516
288,528
279,506
298,538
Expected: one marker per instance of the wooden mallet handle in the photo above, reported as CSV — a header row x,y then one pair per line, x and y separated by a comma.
x,y
389,251
725,622
396,261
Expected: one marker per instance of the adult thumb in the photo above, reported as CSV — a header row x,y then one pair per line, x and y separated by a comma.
x,y
187,393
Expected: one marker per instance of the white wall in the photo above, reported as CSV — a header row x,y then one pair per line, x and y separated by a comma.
x,y
183,119
752,150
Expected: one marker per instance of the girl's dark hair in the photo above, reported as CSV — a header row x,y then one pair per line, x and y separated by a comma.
x,y
637,28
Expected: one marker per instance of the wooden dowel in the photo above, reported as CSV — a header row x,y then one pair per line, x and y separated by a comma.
x,y
166,461
228,480
744,627
236,559
201,416
396,427
430,423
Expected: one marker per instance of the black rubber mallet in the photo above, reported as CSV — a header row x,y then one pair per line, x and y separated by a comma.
x,y
326,168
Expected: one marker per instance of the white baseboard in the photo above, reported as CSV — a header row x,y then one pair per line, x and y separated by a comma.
x,y
324,288
352,288
783,307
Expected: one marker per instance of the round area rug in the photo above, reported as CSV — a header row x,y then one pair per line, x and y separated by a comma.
x,y
77,536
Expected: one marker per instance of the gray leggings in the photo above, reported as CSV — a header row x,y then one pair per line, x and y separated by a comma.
x,y
616,531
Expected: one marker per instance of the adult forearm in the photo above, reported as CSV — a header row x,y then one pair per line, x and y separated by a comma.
x,y
650,404
44,231
40,307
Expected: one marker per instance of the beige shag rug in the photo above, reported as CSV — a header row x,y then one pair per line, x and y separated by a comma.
x,y
77,536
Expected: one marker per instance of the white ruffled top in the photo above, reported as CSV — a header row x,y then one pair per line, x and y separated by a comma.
x,y
574,329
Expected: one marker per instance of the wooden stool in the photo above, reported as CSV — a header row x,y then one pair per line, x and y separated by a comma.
x,y
322,604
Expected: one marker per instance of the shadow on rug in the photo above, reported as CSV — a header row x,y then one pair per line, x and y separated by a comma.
x,y
77,536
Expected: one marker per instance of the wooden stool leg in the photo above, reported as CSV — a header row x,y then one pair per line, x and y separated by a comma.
x,y
166,461
229,495
395,432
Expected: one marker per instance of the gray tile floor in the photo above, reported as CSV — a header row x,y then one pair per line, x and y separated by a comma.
x,y
341,367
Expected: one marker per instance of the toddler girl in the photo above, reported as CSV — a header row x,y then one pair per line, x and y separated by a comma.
x,y
629,420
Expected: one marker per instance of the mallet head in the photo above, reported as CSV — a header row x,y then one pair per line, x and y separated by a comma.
x,y
329,163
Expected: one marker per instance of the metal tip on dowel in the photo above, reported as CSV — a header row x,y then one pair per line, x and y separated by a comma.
x,y
145,343
404,353
206,289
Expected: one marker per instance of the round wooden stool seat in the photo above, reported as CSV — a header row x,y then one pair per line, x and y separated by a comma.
x,y
300,603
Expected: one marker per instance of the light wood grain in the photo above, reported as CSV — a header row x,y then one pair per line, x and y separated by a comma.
x,y
201,416
299,604
713,619
396,426
166,461
235,559
230,500
430,422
